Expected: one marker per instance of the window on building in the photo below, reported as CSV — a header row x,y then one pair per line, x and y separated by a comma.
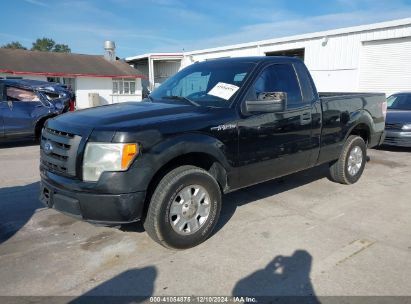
x,y
124,86
69,82
53,79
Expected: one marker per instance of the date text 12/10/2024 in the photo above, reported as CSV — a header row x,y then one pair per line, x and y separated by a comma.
x,y
202,299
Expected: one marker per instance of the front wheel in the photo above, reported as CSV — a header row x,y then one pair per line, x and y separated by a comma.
x,y
350,166
184,208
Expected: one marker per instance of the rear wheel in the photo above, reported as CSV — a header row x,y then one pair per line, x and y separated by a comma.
x,y
350,166
184,208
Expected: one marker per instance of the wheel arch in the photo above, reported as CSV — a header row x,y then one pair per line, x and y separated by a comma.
x,y
362,130
361,125
201,152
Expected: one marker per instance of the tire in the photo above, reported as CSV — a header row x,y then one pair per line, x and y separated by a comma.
x,y
168,211
350,166
37,133
38,128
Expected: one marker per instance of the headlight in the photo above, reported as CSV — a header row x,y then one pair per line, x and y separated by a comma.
x,y
406,127
101,157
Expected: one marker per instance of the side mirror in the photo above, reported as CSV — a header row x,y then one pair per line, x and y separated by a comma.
x,y
268,102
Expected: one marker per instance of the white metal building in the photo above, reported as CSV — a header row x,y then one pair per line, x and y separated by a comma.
x,y
374,57
95,79
156,67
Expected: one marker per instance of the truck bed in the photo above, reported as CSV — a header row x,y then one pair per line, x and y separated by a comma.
x,y
338,109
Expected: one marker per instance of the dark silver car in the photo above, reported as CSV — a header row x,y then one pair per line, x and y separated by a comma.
x,y
398,121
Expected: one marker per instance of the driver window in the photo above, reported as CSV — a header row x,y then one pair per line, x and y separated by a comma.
x,y
277,78
17,94
193,83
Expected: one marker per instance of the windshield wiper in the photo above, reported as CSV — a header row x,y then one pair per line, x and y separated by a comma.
x,y
175,97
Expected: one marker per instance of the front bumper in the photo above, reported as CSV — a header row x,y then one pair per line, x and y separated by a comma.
x,y
109,209
397,138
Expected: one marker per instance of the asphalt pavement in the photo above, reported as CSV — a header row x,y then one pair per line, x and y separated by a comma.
x,y
298,235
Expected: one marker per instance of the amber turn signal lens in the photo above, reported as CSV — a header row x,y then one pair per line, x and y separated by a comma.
x,y
129,153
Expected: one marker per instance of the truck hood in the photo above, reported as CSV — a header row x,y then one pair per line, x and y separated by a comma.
x,y
139,116
398,116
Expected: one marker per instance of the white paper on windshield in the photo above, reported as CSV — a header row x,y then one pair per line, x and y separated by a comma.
x,y
223,90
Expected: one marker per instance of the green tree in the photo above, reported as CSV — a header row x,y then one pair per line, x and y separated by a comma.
x,y
49,45
43,44
14,45
61,48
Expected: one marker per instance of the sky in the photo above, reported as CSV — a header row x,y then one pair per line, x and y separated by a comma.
x,y
146,26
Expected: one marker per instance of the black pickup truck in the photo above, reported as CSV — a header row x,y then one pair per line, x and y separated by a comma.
x,y
214,127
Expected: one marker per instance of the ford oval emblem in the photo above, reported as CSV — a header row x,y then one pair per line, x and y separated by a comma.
x,y
48,147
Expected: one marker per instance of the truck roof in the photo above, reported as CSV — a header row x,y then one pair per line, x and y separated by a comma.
x,y
257,59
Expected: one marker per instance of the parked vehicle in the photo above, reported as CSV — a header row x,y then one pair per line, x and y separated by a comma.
x,y
214,127
398,122
25,105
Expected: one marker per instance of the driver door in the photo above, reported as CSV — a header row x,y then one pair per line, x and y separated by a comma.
x,y
273,144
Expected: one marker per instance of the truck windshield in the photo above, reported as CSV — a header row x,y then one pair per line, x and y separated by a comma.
x,y
209,84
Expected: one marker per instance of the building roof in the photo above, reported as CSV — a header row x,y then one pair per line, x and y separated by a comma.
x,y
334,32
156,55
63,64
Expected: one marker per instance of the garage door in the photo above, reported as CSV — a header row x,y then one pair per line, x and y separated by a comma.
x,y
385,66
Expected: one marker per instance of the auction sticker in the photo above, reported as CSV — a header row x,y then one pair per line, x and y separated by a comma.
x,y
223,90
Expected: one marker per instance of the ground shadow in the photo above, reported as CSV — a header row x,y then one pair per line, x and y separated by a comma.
x,y
133,227
393,148
17,205
250,194
284,278
132,286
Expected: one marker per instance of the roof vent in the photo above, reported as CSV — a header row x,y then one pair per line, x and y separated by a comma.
x,y
110,50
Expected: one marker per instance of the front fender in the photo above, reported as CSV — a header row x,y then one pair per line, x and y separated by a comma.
x,y
190,143
152,159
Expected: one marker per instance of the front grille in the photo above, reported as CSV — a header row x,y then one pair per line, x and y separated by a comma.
x,y
393,126
58,151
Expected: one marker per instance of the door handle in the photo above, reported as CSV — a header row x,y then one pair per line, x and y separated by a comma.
x,y
305,118
10,104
